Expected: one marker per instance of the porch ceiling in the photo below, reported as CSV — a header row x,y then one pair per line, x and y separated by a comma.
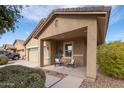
x,y
76,33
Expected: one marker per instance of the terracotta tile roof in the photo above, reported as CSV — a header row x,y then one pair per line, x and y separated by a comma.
x,y
20,41
83,9
72,10
40,24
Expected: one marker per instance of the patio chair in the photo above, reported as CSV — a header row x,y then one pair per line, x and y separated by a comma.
x,y
57,61
71,63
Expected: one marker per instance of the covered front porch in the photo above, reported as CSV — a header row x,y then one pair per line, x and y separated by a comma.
x,y
76,72
77,44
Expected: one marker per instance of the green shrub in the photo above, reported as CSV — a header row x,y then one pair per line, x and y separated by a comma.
x,y
16,76
3,59
111,59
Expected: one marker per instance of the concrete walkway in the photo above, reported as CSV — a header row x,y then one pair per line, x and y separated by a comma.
x,y
73,79
51,80
69,82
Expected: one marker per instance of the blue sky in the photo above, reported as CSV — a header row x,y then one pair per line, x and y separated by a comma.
x,y
33,14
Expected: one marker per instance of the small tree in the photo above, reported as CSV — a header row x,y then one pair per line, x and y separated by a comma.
x,y
9,15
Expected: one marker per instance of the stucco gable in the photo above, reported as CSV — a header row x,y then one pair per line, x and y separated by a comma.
x,y
33,42
66,23
70,11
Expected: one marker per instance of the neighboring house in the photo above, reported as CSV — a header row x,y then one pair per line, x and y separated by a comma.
x,y
9,47
19,45
76,32
31,45
2,48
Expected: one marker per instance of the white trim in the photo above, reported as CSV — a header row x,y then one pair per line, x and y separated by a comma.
x,y
31,47
78,55
70,42
20,49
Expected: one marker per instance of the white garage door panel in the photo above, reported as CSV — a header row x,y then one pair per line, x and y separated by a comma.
x,y
33,55
46,61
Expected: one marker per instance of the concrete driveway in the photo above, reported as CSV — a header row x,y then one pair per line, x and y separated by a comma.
x,y
21,62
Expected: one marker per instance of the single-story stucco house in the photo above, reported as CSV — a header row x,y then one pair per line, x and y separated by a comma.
x,y
76,32
20,48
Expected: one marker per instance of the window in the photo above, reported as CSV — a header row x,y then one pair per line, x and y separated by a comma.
x,y
68,49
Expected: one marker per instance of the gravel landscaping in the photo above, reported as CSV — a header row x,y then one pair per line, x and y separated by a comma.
x,y
103,82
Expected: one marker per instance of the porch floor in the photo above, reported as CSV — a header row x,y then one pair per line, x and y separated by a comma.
x,y
77,71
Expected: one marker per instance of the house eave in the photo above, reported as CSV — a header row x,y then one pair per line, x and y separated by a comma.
x,y
54,13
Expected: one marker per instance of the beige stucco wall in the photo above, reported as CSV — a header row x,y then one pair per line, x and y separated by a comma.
x,y
79,54
46,52
22,53
66,23
32,43
26,54
18,45
20,49
91,51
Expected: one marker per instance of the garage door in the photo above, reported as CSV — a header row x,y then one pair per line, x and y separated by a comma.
x,y
33,55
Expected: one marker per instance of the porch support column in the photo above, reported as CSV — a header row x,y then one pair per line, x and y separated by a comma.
x,y
52,52
91,52
40,53
27,54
